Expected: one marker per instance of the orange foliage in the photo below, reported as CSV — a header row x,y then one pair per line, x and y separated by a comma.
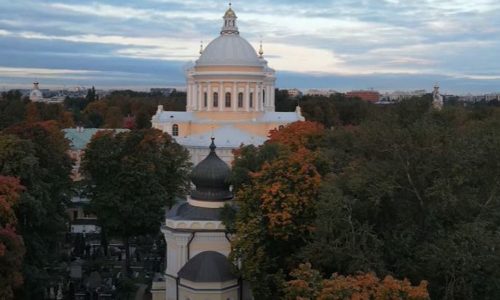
x,y
368,286
11,245
296,134
10,188
287,188
364,286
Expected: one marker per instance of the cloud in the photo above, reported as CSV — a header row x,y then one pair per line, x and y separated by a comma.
x,y
454,39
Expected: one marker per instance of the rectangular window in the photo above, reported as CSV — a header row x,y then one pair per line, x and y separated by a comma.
x,y
205,99
251,100
240,100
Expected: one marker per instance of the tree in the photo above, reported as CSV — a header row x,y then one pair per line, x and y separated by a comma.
x,y
11,244
132,177
276,208
413,193
12,109
37,154
308,284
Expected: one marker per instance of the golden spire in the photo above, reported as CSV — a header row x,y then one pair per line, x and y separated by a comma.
x,y
201,47
261,50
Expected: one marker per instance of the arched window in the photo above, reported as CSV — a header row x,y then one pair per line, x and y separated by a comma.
x,y
216,99
250,101
281,127
240,100
228,99
175,130
205,100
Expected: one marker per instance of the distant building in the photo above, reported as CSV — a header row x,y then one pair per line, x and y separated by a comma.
x,y
294,93
79,137
368,96
401,95
36,95
163,91
80,221
320,92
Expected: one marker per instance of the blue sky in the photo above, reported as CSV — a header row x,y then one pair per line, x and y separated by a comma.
x,y
340,44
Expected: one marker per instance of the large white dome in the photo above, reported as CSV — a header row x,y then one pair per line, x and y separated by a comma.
x,y
229,50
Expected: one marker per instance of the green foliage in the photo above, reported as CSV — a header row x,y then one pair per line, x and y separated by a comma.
x,y
37,154
12,109
132,177
283,102
414,193
335,110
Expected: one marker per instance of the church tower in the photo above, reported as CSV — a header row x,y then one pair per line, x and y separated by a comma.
x,y
197,241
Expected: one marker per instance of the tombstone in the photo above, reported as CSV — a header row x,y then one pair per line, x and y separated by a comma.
x,y
75,269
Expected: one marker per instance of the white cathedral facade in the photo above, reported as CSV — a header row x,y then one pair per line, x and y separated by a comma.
x,y
230,100
230,96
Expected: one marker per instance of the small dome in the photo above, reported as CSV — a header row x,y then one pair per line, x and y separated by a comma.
x,y
207,266
211,178
230,13
229,50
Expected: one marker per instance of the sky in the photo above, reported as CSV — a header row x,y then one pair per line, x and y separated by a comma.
x,y
384,45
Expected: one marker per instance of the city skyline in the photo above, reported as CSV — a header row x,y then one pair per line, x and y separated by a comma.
x,y
343,45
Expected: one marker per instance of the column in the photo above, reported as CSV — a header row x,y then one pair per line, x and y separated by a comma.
x,y
260,105
247,97
200,103
268,97
273,97
188,97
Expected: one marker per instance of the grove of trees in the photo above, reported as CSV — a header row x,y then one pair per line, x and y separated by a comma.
x,y
400,190
132,177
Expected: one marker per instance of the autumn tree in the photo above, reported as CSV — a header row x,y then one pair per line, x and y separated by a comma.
x,y
11,244
37,154
308,284
132,177
276,207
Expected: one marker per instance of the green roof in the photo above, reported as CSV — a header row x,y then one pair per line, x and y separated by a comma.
x,y
79,138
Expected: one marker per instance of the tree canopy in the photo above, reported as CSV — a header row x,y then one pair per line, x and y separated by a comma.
x,y
404,191
132,177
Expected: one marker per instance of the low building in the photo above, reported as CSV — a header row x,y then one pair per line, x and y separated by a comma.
x,y
321,92
162,91
368,96
79,137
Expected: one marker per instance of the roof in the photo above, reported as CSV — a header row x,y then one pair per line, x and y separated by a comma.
x,y
229,50
80,137
208,266
185,211
226,137
211,178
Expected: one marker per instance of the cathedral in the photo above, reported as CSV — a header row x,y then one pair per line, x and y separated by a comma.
x,y
230,96
230,101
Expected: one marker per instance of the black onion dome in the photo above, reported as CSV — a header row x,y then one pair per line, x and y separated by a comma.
x,y
208,266
211,178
